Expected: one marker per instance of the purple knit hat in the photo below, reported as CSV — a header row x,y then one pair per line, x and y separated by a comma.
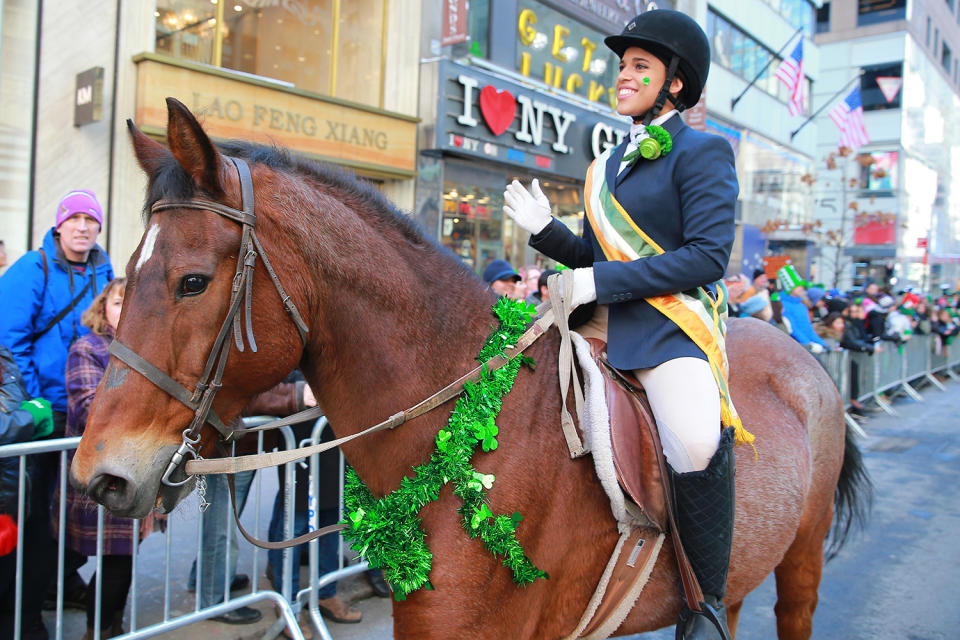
x,y
79,201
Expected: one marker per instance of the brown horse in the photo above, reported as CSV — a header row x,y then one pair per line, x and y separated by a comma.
x,y
393,317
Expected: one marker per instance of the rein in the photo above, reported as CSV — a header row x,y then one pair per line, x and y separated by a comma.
x,y
241,292
252,462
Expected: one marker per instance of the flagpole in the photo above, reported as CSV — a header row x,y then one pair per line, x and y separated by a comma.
x,y
824,105
733,103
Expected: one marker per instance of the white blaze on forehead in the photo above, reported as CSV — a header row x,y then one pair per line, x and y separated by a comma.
x,y
148,244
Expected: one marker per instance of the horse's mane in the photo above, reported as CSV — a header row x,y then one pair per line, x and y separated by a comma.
x,y
171,181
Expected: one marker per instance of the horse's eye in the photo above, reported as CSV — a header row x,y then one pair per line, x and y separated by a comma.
x,y
192,285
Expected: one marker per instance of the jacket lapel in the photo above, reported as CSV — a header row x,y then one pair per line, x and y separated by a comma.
x,y
674,125
613,165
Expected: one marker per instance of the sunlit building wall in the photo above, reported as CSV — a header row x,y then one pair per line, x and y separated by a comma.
x,y
894,202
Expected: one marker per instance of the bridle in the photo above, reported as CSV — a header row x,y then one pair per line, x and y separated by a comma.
x,y
200,400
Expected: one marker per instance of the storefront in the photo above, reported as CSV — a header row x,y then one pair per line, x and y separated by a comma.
x,y
491,130
334,80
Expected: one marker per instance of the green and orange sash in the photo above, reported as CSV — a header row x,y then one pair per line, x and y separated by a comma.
x,y
694,311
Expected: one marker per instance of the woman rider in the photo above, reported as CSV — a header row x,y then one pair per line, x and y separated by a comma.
x,y
659,233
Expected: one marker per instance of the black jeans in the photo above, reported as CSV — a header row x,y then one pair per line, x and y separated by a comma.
x,y
117,572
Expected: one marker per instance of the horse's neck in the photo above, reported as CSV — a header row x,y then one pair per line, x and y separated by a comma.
x,y
384,359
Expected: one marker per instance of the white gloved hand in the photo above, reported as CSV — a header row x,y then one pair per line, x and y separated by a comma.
x,y
584,287
815,348
529,209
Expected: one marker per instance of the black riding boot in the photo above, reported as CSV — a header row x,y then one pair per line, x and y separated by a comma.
x,y
704,502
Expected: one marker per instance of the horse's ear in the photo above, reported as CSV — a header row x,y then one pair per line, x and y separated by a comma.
x,y
150,153
192,148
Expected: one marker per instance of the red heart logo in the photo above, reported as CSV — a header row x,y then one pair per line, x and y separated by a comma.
x,y
498,108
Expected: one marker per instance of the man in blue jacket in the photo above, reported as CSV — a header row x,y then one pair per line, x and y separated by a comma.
x,y
44,294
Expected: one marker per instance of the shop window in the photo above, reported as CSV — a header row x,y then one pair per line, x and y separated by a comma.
x,y
875,11
477,43
300,43
186,29
874,78
472,224
878,172
361,51
823,18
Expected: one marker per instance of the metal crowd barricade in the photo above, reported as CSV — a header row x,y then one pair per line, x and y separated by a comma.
x,y
894,370
167,622
310,593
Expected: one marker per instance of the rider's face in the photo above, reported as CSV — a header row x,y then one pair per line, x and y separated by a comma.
x,y
639,81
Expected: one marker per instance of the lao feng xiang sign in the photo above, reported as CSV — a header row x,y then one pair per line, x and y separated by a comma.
x,y
365,139
482,115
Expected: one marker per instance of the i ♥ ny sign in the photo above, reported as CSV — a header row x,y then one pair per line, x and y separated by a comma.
x,y
499,111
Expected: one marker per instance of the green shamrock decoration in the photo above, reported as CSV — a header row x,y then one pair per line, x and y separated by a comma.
x,y
387,531
443,439
481,514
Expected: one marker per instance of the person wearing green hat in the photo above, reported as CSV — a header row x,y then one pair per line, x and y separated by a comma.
x,y
792,289
656,241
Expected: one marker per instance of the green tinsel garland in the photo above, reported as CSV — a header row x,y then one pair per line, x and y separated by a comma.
x,y
388,533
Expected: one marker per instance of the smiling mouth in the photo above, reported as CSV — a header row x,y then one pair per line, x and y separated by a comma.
x,y
626,92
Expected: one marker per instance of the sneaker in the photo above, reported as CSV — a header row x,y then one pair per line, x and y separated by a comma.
x,y
339,611
242,615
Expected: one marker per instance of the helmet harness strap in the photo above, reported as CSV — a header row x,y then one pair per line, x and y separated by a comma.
x,y
664,92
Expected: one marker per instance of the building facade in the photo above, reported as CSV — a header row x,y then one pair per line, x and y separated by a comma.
x,y
535,97
895,201
330,79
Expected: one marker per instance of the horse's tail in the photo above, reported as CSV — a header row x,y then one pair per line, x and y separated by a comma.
x,y
853,497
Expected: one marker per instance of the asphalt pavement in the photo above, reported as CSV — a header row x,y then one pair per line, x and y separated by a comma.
x,y
897,579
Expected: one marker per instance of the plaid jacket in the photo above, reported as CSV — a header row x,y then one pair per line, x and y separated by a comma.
x,y
86,363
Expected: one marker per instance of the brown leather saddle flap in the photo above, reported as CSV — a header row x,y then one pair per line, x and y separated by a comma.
x,y
634,438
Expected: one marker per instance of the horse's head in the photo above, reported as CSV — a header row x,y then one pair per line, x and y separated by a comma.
x,y
179,292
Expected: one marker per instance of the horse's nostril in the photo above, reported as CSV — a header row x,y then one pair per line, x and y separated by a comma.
x,y
114,492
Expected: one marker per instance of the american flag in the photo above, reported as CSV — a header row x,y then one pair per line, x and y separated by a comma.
x,y
848,116
790,73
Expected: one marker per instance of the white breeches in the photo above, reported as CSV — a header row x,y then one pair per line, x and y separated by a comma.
x,y
685,402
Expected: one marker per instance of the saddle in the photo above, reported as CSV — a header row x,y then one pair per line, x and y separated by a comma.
x,y
633,437
634,442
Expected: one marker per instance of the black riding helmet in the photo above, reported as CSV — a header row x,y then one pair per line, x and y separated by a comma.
x,y
679,42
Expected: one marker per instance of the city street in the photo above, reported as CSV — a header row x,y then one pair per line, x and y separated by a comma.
x,y
886,583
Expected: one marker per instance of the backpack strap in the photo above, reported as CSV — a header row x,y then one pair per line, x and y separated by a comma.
x,y
46,270
73,303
